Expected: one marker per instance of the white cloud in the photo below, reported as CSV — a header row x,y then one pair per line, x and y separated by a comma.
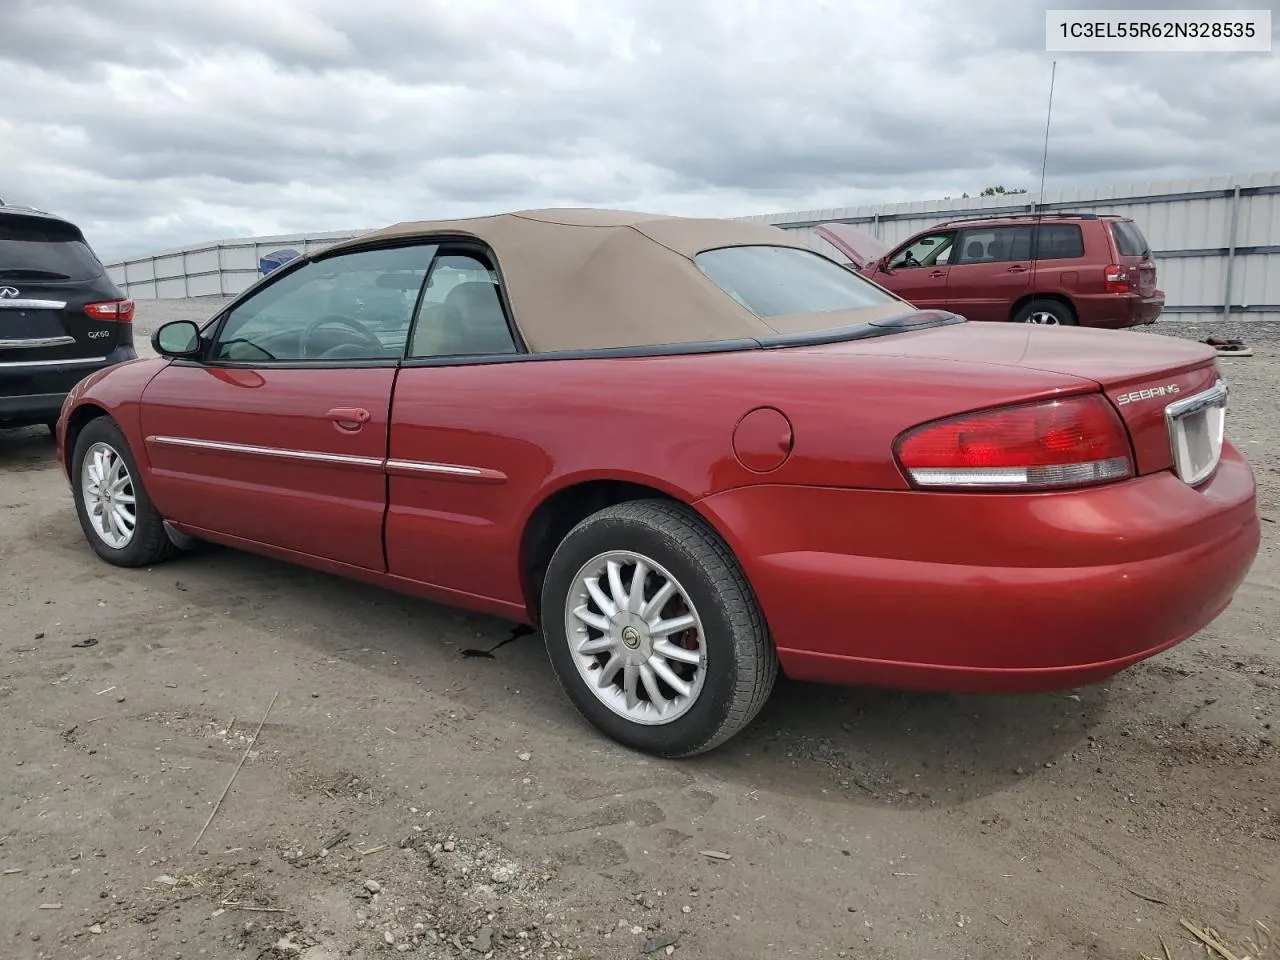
x,y
155,124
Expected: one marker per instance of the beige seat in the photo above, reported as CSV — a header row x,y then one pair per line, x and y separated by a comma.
x,y
474,322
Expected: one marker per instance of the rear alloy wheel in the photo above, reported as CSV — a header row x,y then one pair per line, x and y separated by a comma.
x,y
115,513
654,631
1046,313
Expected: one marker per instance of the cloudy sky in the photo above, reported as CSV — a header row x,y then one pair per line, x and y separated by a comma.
x,y
156,123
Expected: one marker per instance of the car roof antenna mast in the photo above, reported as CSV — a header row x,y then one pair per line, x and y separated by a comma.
x,y
1044,166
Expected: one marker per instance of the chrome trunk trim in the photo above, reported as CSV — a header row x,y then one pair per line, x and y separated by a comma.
x,y
1196,455
35,342
26,304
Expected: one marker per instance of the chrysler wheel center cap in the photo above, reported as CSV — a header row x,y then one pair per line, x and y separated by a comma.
x,y
631,637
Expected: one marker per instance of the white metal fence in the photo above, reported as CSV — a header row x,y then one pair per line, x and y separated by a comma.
x,y
217,269
1216,242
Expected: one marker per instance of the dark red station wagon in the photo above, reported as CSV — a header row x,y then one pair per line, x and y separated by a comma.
x,y
1054,269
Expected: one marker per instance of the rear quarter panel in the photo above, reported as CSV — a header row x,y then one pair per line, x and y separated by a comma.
x,y
1077,279
1066,276
540,426
1094,305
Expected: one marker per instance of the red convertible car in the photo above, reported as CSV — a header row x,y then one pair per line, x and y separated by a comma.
x,y
694,452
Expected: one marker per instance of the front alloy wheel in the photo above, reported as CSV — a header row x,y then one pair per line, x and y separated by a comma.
x,y
115,512
106,487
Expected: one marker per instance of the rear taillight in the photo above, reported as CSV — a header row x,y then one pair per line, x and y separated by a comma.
x,y
1057,443
121,311
1115,278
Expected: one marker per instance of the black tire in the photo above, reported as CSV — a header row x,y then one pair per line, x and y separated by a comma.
x,y
742,664
149,543
1056,312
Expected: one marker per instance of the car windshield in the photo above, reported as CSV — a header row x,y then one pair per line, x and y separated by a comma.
x,y
779,281
36,249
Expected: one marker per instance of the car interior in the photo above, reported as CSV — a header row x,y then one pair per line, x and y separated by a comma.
x,y
337,313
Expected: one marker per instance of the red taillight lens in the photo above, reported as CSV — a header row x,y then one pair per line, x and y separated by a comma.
x,y
1057,443
121,311
1115,279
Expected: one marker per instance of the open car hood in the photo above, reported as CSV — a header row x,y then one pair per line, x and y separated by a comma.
x,y
860,247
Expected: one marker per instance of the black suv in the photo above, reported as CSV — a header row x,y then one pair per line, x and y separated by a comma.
x,y
61,316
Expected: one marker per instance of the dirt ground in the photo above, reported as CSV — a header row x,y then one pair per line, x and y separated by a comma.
x,y
406,798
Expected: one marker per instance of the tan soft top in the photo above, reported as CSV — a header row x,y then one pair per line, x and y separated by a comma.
x,y
581,279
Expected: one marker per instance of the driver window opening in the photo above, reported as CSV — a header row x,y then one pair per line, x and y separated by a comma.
x,y
931,251
354,306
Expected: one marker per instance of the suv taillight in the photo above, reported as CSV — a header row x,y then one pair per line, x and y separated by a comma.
x,y
1078,441
121,311
1115,279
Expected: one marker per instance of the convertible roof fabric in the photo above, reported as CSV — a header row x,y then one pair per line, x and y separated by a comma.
x,y
582,279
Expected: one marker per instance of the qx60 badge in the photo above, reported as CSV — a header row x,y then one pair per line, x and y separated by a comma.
x,y
1149,394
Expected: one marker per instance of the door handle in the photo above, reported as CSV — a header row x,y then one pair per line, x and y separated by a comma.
x,y
349,418
937,275
1017,268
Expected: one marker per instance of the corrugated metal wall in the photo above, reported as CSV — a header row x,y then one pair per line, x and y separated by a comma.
x,y
1206,235
1209,237
211,269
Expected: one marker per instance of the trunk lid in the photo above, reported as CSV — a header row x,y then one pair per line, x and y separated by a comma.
x,y
1141,373
860,247
47,322
48,274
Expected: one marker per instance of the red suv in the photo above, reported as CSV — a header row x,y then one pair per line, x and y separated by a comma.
x,y
1067,269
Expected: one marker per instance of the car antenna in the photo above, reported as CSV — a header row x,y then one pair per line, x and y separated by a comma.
x,y
1044,166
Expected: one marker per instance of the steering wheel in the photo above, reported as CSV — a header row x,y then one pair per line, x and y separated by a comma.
x,y
910,260
364,334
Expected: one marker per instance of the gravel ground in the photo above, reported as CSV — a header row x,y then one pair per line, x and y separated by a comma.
x,y
406,799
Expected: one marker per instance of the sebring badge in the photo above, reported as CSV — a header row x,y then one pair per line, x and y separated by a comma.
x,y
1150,393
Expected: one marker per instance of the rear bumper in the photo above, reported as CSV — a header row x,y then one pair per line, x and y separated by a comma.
x,y
1002,592
1115,310
31,408
32,392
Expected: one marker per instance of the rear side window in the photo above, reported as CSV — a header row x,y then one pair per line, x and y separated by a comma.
x,y
994,245
34,249
778,281
460,313
1059,241
1129,239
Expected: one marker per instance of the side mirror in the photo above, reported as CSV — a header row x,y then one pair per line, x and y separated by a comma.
x,y
177,340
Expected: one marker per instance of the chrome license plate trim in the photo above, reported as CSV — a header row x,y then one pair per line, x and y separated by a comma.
x,y
1196,427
